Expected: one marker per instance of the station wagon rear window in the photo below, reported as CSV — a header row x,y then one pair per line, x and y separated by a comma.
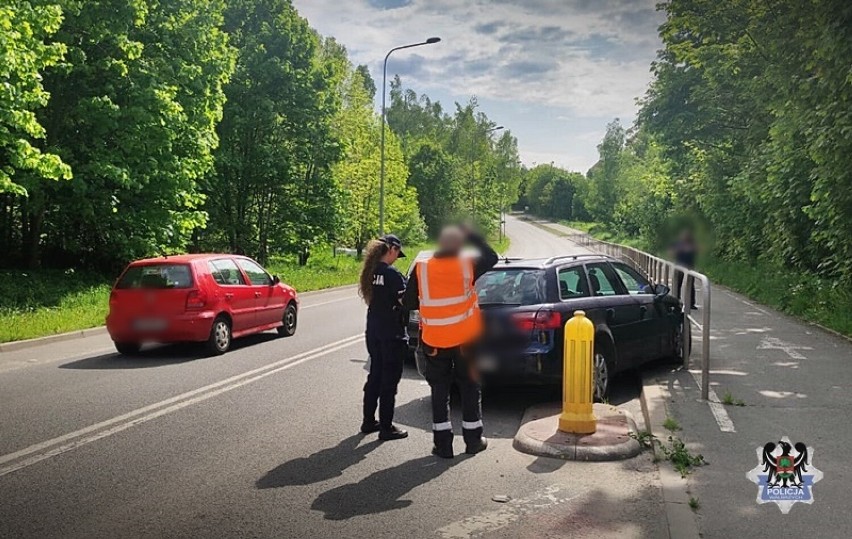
x,y
511,286
156,276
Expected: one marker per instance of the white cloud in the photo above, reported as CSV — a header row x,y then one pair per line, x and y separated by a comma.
x,y
586,58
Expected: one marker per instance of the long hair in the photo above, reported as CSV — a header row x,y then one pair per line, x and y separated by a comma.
x,y
373,255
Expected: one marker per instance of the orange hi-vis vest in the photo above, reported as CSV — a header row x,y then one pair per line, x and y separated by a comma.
x,y
449,313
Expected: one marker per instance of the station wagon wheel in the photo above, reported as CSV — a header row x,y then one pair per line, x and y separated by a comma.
x,y
290,320
219,341
601,376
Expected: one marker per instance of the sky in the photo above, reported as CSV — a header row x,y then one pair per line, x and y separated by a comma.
x,y
554,72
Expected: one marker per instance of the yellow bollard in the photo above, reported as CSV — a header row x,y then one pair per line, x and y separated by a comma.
x,y
577,384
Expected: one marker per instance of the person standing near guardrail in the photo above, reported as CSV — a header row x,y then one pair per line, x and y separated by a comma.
x,y
382,286
684,252
442,287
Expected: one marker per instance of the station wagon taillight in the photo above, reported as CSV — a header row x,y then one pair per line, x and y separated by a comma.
x,y
195,300
541,319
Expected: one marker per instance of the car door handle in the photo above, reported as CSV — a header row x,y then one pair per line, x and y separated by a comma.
x,y
229,296
642,311
257,294
610,315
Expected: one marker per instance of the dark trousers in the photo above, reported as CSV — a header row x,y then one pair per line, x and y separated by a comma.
x,y
386,360
441,370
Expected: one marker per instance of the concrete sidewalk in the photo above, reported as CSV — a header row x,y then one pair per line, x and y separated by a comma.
x,y
794,380
790,378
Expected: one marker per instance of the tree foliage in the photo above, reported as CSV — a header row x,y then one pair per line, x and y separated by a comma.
x,y
746,129
24,55
460,166
220,125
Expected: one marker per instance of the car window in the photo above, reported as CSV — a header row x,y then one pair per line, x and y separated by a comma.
x,y
572,283
256,274
511,287
603,283
156,276
226,272
632,279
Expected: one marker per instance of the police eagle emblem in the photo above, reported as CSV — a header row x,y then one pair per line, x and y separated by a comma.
x,y
785,474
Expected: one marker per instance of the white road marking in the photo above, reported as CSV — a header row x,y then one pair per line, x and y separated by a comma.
x,y
750,304
312,305
716,407
42,451
508,513
774,343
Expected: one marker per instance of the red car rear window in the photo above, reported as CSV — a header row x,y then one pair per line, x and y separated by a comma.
x,y
156,276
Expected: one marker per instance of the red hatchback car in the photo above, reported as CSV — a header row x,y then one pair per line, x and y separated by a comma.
x,y
206,298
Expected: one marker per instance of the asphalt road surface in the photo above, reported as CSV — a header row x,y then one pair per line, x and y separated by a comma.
x,y
263,442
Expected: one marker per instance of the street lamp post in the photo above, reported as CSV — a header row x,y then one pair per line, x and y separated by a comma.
x,y
429,41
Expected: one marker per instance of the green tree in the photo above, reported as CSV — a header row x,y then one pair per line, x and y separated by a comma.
x,y
273,190
604,175
358,173
24,55
433,175
133,112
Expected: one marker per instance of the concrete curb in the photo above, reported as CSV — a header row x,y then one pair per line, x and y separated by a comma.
x,y
680,517
14,346
537,436
50,339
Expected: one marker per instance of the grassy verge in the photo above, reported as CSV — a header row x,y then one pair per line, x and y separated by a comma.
x,y
797,293
801,294
46,302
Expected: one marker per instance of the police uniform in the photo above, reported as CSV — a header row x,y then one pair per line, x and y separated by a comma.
x,y
451,323
387,344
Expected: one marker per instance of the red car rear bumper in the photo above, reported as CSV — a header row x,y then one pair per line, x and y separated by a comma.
x,y
178,328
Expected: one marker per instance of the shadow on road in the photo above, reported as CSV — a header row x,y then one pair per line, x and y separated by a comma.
x,y
382,490
319,466
503,407
161,355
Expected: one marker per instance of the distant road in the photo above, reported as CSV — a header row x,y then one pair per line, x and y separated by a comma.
x,y
530,241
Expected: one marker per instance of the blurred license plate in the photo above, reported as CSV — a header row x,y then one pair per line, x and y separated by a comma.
x,y
149,324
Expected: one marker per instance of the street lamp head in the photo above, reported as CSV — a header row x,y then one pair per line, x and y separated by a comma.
x,y
433,40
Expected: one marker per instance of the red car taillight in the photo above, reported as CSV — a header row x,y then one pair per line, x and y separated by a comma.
x,y
195,300
113,299
529,321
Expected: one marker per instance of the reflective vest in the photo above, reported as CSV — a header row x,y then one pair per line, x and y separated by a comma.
x,y
449,313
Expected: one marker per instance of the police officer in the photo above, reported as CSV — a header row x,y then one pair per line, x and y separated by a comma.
x,y
382,286
450,326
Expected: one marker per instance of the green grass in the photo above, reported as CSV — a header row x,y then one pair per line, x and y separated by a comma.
x,y
46,302
729,400
671,424
605,233
793,292
694,504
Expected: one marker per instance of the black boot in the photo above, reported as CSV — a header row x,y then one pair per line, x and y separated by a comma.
x,y
474,441
393,433
443,443
369,426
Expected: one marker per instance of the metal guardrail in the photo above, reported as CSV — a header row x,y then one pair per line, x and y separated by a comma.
x,y
663,271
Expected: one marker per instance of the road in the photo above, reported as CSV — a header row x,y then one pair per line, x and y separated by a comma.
x,y
262,442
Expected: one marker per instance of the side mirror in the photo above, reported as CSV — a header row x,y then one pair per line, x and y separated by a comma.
x,y
275,280
661,290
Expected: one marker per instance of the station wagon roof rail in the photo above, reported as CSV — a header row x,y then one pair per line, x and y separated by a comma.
x,y
553,259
